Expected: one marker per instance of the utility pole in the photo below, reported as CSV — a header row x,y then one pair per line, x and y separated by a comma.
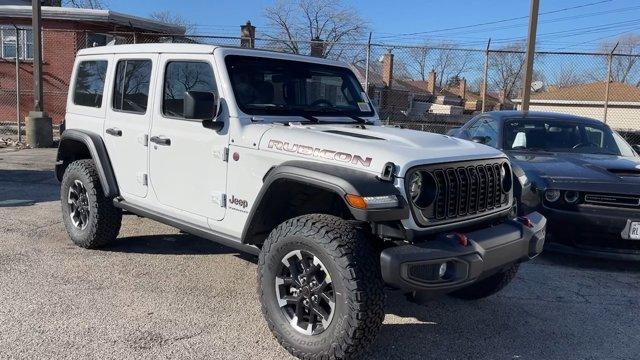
x,y
608,84
531,51
39,125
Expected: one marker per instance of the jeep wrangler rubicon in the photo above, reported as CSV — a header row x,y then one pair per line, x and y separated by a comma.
x,y
283,156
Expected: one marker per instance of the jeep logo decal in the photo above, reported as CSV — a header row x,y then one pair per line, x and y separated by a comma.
x,y
320,153
239,202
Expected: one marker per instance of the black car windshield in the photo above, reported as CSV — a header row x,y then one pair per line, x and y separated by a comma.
x,y
266,86
559,136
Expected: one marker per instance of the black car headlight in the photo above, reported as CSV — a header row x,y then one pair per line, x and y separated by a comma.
x,y
422,189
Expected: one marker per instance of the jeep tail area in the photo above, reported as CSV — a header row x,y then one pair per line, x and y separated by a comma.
x,y
283,156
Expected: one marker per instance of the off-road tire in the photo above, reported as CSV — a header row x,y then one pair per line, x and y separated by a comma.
x,y
347,252
104,219
487,287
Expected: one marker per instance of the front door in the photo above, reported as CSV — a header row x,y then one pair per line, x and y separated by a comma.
x,y
128,119
186,170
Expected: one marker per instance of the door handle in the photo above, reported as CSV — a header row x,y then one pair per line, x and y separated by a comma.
x,y
160,140
114,132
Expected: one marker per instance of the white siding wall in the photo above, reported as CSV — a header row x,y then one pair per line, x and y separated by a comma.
x,y
620,118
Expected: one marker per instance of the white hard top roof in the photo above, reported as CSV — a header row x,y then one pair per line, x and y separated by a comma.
x,y
178,48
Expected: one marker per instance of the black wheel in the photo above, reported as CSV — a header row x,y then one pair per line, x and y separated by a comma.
x,y
320,287
90,219
489,286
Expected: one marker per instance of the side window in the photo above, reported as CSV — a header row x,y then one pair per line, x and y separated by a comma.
x,y
89,85
487,128
131,88
183,76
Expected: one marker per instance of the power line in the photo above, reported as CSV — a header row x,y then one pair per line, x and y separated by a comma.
x,y
498,21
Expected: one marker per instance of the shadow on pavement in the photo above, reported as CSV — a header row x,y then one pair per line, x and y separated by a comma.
x,y
173,244
35,185
588,263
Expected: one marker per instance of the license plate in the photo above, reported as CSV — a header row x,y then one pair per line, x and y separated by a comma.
x,y
634,231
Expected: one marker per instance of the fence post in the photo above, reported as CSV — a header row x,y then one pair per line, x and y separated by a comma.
x,y
18,84
485,79
608,84
366,66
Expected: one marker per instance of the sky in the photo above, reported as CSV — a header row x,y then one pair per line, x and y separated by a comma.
x,y
566,25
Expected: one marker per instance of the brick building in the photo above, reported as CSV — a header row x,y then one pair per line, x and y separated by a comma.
x,y
65,31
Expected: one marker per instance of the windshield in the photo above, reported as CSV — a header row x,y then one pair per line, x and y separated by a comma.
x,y
559,136
264,86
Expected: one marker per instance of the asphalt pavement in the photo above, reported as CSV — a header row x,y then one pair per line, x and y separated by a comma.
x,y
158,293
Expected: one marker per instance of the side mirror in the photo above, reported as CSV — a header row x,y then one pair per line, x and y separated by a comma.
x,y
202,105
480,139
636,148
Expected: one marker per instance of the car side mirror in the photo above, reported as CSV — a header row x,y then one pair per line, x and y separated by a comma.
x,y
636,148
480,139
202,105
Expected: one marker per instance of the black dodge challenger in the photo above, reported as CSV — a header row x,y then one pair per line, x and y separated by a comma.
x,y
584,177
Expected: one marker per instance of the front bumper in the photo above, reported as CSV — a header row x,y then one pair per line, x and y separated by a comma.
x,y
593,231
416,267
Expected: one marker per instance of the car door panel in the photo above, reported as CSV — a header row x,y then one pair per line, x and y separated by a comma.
x,y
185,172
126,129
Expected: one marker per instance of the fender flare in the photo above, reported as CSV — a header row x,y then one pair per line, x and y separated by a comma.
x,y
336,179
98,152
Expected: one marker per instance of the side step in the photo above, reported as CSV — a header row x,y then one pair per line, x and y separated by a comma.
x,y
199,231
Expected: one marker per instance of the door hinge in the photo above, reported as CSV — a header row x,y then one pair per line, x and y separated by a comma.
x,y
219,198
222,154
143,179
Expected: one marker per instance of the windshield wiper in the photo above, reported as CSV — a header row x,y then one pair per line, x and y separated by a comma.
x,y
342,113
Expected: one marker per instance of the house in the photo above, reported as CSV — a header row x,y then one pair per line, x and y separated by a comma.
x,y
623,109
65,31
409,99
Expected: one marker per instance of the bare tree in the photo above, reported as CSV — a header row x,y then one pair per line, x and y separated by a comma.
x,y
86,4
506,67
297,22
449,62
174,19
567,76
625,69
417,61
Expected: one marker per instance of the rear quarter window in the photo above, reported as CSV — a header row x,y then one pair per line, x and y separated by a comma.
x,y
89,84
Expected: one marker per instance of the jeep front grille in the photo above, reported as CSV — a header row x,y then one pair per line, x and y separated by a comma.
x,y
462,190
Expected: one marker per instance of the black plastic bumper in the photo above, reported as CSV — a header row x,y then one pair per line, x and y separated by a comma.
x,y
417,267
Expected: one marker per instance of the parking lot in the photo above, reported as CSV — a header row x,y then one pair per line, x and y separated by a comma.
x,y
157,293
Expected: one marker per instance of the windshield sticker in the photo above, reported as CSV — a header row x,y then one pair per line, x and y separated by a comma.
x,y
364,106
320,153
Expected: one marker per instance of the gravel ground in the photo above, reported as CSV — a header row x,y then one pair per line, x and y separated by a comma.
x,y
157,293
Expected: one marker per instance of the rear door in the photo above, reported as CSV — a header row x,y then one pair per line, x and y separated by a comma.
x,y
187,170
126,130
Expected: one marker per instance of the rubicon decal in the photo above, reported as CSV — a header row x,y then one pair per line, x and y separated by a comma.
x,y
320,153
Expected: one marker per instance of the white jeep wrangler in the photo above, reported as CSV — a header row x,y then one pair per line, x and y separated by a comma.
x,y
283,156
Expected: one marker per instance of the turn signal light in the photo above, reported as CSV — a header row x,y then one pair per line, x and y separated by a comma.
x,y
356,201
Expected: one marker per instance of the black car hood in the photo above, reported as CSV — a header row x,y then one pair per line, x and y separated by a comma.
x,y
596,172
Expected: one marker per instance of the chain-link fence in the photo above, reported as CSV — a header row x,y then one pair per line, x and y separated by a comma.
x,y
430,88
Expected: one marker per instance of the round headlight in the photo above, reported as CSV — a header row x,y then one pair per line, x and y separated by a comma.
x,y
415,186
571,197
552,195
422,189
505,177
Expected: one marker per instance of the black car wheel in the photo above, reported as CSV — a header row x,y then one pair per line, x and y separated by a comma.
x,y
90,218
320,287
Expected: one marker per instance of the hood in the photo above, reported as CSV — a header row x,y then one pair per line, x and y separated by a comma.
x,y
370,147
596,171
